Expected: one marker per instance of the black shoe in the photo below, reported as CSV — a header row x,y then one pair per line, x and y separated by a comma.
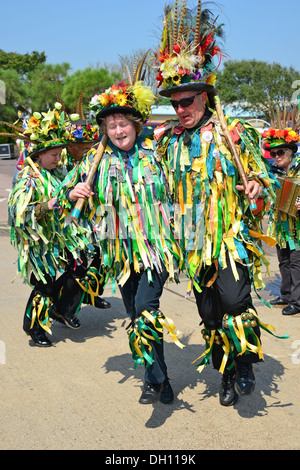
x,y
38,337
167,395
244,378
101,303
70,321
290,310
151,393
227,393
278,301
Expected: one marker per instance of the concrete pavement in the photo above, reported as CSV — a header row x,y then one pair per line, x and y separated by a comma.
x,y
83,393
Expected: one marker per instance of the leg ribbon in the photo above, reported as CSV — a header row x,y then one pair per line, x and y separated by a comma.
x,y
38,311
237,338
148,327
90,285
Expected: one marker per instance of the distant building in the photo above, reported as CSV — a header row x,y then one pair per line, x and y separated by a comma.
x,y
161,114
254,118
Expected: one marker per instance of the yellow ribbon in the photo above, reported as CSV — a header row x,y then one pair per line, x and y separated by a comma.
x,y
166,322
207,351
38,304
92,293
269,240
226,349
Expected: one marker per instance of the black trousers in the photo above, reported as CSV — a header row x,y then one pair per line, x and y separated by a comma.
x,y
225,296
139,295
65,292
289,266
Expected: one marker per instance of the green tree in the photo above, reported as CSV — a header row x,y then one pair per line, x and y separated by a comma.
x,y
91,81
21,63
15,93
250,85
45,84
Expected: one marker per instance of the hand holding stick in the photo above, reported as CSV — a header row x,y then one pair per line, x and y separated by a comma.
x,y
233,149
90,177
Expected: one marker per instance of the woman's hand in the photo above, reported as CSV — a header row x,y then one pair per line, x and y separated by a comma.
x,y
297,204
81,190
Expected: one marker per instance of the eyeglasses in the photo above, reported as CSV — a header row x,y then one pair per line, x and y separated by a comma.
x,y
185,102
279,153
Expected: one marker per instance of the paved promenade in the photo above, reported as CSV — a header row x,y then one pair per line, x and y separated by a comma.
x,y
83,393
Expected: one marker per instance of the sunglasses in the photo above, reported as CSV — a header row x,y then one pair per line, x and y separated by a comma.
x,y
279,153
185,102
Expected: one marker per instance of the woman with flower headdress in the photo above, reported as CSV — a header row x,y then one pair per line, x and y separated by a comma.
x,y
45,249
216,174
282,145
130,202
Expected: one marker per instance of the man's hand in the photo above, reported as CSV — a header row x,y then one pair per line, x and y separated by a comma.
x,y
253,189
81,190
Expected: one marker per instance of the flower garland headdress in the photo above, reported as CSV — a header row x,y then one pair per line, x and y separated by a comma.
x,y
284,130
80,129
128,96
188,46
42,130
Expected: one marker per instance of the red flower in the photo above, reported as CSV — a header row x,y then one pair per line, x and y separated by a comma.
x,y
280,134
163,57
159,78
176,48
182,71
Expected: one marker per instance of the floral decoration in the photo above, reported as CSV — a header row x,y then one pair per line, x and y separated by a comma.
x,y
137,96
287,135
47,129
188,46
83,132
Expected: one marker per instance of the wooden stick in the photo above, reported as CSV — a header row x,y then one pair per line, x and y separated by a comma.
x,y
35,169
232,148
90,177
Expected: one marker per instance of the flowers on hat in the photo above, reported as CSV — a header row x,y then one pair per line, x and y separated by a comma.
x,y
46,129
182,66
137,96
81,131
188,46
287,135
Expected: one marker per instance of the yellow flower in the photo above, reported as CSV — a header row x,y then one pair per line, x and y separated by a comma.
x,y
176,79
121,100
144,96
33,122
104,99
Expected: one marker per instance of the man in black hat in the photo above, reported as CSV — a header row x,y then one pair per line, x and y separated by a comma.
x,y
218,232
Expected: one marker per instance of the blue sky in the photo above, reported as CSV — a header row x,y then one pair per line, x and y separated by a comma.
x,y
91,33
